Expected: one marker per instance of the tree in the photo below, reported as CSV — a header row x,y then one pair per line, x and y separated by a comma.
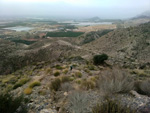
x,y
99,59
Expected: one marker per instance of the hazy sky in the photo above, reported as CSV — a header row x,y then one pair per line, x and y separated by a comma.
x,y
74,8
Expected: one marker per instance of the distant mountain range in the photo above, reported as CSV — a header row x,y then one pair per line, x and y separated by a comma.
x,y
144,15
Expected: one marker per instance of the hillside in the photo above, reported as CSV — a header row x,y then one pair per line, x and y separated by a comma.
x,y
128,46
57,75
16,56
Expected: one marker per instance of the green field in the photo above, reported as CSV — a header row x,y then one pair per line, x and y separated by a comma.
x,y
64,34
23,41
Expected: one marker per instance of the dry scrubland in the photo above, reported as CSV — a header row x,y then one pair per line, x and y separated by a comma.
x,y
41,80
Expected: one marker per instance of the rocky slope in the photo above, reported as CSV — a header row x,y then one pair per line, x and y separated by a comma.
x,y
128,46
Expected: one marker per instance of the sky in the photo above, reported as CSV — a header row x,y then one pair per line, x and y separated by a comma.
x,y
105,9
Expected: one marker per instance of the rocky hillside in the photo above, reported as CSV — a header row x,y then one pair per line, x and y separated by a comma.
x,y
15,57
90,36
57,76
130,46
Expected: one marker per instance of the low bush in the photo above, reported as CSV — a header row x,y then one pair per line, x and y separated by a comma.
x,y
78,74
28,91
48,71
91,67
33,84
87,84
99,59
65,71
78,102
55,85
10,104
57,73
66,87
115,81
78,81
142,87
111,106
21,82
65,79
58,67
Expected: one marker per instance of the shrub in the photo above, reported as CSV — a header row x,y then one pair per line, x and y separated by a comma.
x,y
99,59
48,70
87,84
78,74
66,87
28,91
78,102
10,104
35,83
57,73
55,85
91,67
65,71
9,87
115,81
143,87
42,92
58,67
78,81
65,79
21,82
111,106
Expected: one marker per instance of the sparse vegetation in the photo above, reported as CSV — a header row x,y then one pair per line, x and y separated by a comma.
x,y
111,106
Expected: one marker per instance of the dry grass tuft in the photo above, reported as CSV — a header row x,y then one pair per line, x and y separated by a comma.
x,y
115,81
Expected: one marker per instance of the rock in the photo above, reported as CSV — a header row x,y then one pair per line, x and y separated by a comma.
x,y
65,93
47,111
135,94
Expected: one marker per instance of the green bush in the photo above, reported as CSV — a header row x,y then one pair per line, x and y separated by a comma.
x,y
111,106
57,73
99,59
21,82
10,104
58,67
35,83
55,85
